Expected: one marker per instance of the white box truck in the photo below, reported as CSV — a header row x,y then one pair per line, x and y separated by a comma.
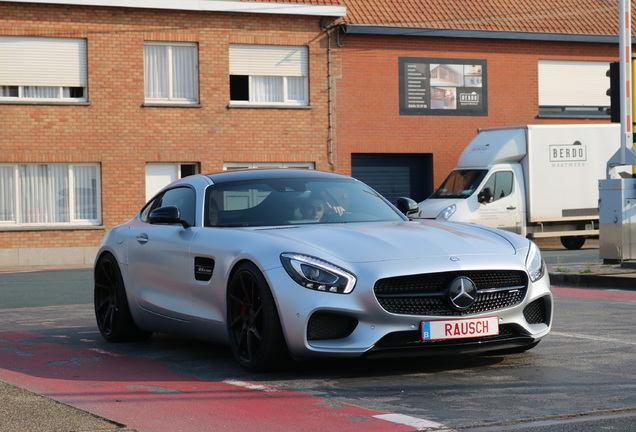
x,y
534,180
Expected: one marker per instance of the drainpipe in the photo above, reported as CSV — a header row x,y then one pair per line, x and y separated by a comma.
x,y
330,117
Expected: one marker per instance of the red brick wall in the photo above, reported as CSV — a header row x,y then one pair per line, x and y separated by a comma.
x,y
368,116
118,132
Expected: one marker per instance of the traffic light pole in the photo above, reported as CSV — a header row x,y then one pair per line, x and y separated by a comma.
x,y
617,196
625,155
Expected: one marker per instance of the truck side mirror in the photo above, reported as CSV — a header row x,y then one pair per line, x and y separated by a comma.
x,y
407,206
485,196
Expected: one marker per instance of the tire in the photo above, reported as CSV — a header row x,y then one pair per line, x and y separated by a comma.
x,y
253,325
573,242
112,312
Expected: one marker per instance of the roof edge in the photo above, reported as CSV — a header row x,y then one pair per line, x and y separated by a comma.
x,y
270,7
483,34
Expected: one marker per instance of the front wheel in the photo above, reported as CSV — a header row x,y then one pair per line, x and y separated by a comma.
x,y
573,242
112,312
254,328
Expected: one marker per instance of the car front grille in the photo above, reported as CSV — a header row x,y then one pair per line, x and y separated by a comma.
x,y
427,294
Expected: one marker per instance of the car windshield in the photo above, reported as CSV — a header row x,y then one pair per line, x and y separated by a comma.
x,y
293,201
460,184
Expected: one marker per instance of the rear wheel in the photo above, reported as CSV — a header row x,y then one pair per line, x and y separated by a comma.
x,y
254,329
112,312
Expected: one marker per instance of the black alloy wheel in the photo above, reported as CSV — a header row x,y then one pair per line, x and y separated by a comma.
x,y
254,328
112,313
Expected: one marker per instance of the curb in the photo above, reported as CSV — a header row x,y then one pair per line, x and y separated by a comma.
x,y
594,281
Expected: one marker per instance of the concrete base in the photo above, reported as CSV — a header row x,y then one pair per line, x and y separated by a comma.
x,y
38,257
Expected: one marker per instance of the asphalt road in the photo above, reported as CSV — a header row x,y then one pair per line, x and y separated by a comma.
x,y
579,378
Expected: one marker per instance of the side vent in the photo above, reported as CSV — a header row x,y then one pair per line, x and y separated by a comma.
x,y
203,268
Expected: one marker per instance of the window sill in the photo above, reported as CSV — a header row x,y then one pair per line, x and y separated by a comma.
x,y
14,228
170,105
55,103
574,115
240,105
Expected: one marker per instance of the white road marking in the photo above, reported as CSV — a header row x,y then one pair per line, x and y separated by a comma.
x,y
418,423
595,338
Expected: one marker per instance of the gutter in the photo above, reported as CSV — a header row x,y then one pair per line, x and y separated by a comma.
x,y
481,34
207,6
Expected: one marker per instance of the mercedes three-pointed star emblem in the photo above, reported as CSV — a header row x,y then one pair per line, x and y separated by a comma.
x,y
462,293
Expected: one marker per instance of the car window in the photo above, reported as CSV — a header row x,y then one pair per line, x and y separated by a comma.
x,y
500,184
460,184
181,197
294,201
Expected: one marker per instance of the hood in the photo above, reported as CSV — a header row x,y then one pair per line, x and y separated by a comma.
x,y
431,207
368,242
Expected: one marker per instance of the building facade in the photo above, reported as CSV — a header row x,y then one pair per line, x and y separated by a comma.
x,y
420,78
104,102
100,106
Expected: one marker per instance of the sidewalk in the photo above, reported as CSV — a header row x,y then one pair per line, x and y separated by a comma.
x,y
589,274
21,410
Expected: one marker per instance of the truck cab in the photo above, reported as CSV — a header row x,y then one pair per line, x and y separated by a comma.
x,y
491,196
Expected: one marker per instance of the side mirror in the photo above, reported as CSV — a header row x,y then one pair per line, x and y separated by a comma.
x,y
166,215
407,206
485,196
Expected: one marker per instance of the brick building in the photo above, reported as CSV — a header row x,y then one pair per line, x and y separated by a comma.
x,y
102,102
542,62
102,105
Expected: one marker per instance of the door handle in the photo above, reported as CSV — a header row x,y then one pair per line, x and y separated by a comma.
x,y
511,208
142,238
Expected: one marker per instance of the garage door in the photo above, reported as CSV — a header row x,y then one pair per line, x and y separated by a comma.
x,y
395,175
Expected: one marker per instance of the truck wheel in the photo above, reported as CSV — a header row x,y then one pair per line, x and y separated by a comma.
x,y
573,242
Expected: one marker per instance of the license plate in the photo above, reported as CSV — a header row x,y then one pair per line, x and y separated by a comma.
x,y
460,328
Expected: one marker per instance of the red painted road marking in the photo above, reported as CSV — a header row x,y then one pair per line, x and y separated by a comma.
x,y
593,294
145,395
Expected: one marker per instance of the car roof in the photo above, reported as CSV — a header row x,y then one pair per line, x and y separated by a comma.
x,y
270,173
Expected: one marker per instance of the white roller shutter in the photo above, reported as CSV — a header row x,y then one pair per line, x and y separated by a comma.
x,y
573,83
36,61
271,60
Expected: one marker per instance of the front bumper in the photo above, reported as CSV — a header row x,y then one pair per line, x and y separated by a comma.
x,y
318,324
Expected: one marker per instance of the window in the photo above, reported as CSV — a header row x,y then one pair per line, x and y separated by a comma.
x,y
573,88
249,165
180,197
160,175
499,185
287,201
42,69
171,72
44,194
268,75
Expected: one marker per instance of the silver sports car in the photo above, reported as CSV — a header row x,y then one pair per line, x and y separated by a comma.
x,y
309,264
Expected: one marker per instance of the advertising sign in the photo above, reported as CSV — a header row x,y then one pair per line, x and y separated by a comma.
x,y
443,86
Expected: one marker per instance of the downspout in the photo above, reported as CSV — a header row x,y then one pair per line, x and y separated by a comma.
x,y
330,108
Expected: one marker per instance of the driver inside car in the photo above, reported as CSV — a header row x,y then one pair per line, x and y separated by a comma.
x,y
319,210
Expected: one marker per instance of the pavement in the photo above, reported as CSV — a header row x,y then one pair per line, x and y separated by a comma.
x,y
23,411
593,274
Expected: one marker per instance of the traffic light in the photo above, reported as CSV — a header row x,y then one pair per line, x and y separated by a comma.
x,y
614,92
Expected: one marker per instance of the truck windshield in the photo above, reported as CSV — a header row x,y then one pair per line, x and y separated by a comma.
x,y
460,184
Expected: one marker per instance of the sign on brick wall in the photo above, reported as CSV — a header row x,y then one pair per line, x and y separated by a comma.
x,y
443,86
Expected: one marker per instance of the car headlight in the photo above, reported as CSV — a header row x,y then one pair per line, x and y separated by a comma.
x,y
316,274
534,263
447,212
